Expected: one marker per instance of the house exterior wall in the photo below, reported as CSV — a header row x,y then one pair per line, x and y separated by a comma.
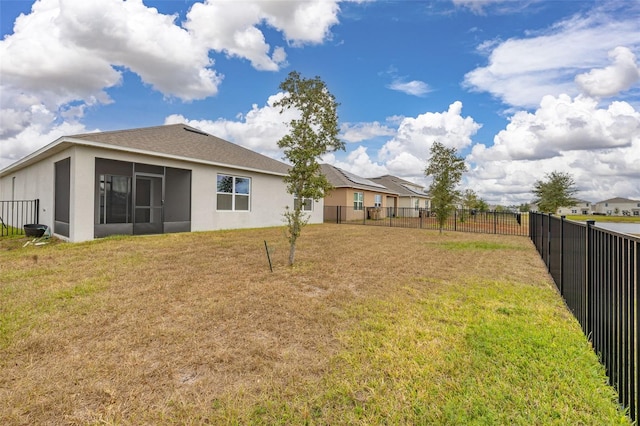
x,y
268,194
36,182
269,198
344,197
580,208
629,207
409,202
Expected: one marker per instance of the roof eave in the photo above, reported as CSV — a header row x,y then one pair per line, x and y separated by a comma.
x,y
66,142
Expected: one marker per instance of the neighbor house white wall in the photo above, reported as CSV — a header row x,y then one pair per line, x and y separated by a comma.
x,y
610,207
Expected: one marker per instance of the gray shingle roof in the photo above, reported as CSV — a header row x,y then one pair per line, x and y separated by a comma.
x,y
180,140
401,186
618,200
341,179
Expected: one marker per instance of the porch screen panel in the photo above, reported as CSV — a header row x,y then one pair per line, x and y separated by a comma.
x,y
177,205
113,192
115,199
62,185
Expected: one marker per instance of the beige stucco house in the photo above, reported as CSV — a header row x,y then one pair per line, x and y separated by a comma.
x,y
356,198
154,180
412,197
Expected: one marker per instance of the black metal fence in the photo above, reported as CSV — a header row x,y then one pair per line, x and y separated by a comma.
x,y
488,222
597,272
15,214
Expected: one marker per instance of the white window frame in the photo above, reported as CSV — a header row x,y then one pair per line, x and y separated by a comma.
x,y
307,203
358,201
233,193
377,200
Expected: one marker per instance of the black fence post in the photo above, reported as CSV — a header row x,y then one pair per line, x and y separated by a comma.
x,y
532,232
562,255
588,290
37,212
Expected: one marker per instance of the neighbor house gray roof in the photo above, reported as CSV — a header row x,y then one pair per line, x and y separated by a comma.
x,y
342,179
177,141
401,186
618,200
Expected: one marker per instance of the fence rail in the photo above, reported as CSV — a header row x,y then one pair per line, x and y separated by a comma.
x,y
15,214
490,222
598,274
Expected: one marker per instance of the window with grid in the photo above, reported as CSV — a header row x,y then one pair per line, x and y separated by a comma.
x,y
233,193
307,203
358,200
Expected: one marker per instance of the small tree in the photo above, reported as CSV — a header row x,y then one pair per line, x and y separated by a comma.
x,y
311,135
524,208
482,205
469,198
471,201
554,192
446,169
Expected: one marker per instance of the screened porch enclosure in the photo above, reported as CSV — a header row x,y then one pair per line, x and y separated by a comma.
x,y
137,199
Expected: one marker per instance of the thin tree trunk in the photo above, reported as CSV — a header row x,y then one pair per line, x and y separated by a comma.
x,y
292,253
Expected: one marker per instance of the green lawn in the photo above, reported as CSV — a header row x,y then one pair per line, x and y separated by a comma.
x,y
598,218
373,325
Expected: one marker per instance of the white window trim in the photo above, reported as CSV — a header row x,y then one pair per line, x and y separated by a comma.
x,y
233,194
359,203
306,202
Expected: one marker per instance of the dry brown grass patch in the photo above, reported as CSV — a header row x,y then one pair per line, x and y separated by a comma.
x,y
158,329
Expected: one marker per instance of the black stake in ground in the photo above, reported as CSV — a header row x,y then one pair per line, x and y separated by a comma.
x,y
266,247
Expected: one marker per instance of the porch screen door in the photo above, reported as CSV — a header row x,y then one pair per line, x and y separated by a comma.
x,y
149,200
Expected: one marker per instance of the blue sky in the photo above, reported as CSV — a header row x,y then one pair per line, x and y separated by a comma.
x,y
519,88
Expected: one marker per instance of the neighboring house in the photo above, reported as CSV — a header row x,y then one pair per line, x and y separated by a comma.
x,y
154,180
618,207
358,198
581,207
412,197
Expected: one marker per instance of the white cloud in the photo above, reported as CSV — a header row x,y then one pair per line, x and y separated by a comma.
x,y
306,22
613,79
479,6
235,30
599,147
260,129
68,50
358,162
405,154
359,132
65,54
414,87
416,135
565,124
523,70
41,130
